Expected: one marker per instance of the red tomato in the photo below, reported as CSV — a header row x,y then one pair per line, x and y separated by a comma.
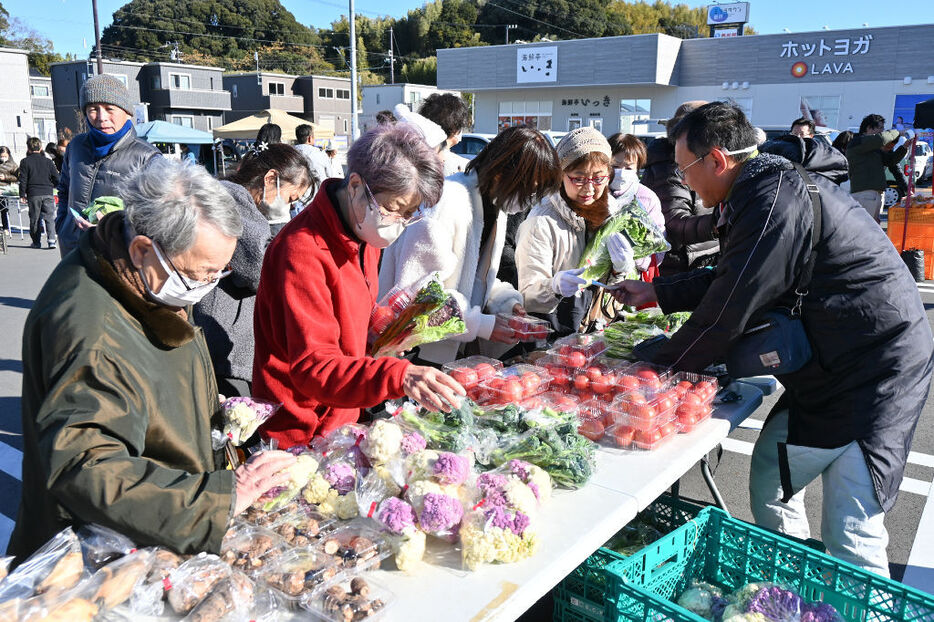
x,y
466,376
683,387
628,383
381,318
692,398
623,435
687,417
591,428
600,386
594,372
539,333
575,360
560,379
635,398
667,429
606,397
647,374
644,411
665,403
517,323
706,388
484,371
581,383
646,438
496,383
688,411
512,391
530,382
563,402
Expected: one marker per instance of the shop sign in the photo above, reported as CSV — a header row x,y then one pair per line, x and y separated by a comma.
x,y
733,13
587,102
536,64
826,56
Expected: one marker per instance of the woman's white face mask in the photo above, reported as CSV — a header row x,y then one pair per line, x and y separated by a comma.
x,y
373,228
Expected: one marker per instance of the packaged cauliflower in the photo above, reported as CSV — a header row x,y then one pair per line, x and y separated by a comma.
x,y
300,473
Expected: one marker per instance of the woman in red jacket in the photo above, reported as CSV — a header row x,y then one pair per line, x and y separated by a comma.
x,y
319,284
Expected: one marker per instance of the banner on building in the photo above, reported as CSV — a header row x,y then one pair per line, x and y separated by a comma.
x,y
538,64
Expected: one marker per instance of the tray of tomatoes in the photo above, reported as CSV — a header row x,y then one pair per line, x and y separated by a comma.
x,y
695,393
471,371
598,379
527,328
578,350
512,385
555,400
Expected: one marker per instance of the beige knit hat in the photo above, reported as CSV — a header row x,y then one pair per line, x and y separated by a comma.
x,y
578,143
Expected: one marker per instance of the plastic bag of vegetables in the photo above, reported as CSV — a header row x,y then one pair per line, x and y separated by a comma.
x,y
633,221
402,321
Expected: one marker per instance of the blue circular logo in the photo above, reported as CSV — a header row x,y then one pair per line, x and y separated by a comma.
x,y
718,15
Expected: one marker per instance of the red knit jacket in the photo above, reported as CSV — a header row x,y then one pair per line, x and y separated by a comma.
x,y
316,291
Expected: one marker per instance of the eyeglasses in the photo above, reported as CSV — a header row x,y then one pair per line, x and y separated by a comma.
x,y
395,217
580,182
680,171
192,284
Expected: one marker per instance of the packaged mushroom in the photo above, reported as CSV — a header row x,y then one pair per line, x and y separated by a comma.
x,y
56,567
234,594
115,582
303,526
349,599
194,580
250,549
296,574
356,546
256,515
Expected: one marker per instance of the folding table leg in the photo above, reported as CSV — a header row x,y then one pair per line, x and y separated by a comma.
x,y
711,484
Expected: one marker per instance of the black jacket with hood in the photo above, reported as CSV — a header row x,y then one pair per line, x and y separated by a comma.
x,y
814,155
873,352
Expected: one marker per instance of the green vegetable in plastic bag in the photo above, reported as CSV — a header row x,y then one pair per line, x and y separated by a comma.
x,y
643,234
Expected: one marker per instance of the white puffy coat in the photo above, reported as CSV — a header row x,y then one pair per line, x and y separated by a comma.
x,y
447,241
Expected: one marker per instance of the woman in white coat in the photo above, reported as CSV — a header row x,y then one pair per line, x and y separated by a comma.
x,y
552,239
462,239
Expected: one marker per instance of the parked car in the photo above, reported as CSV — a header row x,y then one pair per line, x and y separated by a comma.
x,y
923,157
471,144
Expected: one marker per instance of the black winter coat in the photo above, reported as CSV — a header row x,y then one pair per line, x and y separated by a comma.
x,y
873,350
37,176
688,224
815,155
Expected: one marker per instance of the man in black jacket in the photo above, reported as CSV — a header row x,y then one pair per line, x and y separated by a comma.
x,y
37,180
850,413
689,226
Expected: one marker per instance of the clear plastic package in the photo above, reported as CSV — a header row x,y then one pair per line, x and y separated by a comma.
x,y
243,415
356,546
5,566
591,416
303,526
297,573
644,413
57,566
101,545
194,580
578,350
648,376
350,598
473,370
514,384
115,583
231,596
554,400
648,439
704,388
249,549
526,327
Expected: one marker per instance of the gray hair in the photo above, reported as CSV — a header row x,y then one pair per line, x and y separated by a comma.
x,y
167,201
396,160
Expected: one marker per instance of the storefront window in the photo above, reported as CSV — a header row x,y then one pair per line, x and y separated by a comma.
x,y
824,109
631,110
597,124
535,114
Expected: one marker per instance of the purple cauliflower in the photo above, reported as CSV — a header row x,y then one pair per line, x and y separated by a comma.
x,y
776,604
499,517
534,488
520,469
341,477
396,515
491,481
440,513
413,443
451,469
263,410
819,612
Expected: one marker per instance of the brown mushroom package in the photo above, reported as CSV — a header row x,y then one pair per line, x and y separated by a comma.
x,y
249,549
193,581
350,598
234,594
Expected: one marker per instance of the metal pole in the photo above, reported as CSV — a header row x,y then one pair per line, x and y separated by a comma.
x,y
392,62
353,74
97,38
911,187
508,28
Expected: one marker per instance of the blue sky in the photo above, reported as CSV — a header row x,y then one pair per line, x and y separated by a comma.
x,y
69,24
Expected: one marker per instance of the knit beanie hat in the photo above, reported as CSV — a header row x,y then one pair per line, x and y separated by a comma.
x,y
578,143
105,89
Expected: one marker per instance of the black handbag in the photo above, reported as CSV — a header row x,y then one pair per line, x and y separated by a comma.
x,y
776,342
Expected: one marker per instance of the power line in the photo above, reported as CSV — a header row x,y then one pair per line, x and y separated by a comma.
x,y
529,17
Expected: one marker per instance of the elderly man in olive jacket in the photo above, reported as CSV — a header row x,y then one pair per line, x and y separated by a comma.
x,y
118,388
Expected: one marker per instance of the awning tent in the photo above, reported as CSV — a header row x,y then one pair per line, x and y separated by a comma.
x,y
165,132
247,127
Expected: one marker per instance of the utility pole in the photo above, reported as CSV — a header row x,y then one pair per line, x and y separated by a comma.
x,y
259,78
97,38
508,28
353,74
392,63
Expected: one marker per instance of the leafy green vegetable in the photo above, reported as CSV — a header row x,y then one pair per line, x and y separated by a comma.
x,y
622,336
643,234
432,315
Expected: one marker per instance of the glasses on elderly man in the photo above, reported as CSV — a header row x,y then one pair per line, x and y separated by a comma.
x,y
596,180
192,284
680,171
394,217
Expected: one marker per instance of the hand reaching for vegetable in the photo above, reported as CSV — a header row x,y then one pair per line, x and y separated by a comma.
x,y
621,253
634,293
431,389
263,471
502,332
568,283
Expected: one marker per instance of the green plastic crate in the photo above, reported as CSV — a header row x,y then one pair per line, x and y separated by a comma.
x,y
730,553
581,596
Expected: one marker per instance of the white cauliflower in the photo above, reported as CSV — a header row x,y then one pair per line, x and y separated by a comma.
x,y
389,479
484,544
542,482
409,550
317,489
383,442
346,506
420,465
521,497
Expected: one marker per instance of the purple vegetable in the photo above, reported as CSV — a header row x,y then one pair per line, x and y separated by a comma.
x,y
396,514
534,488
819,612
491,481
502,518
341,477
451,469
776,604
520,469
412,443
440,512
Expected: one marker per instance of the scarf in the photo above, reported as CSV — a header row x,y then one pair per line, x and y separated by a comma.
x,y
594,214
104,143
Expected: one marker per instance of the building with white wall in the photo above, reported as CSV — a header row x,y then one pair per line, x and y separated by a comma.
x,y
839,76
15,104
378,97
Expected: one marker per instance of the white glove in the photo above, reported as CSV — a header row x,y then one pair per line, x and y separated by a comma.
x,y
568,282
620,253
909,134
